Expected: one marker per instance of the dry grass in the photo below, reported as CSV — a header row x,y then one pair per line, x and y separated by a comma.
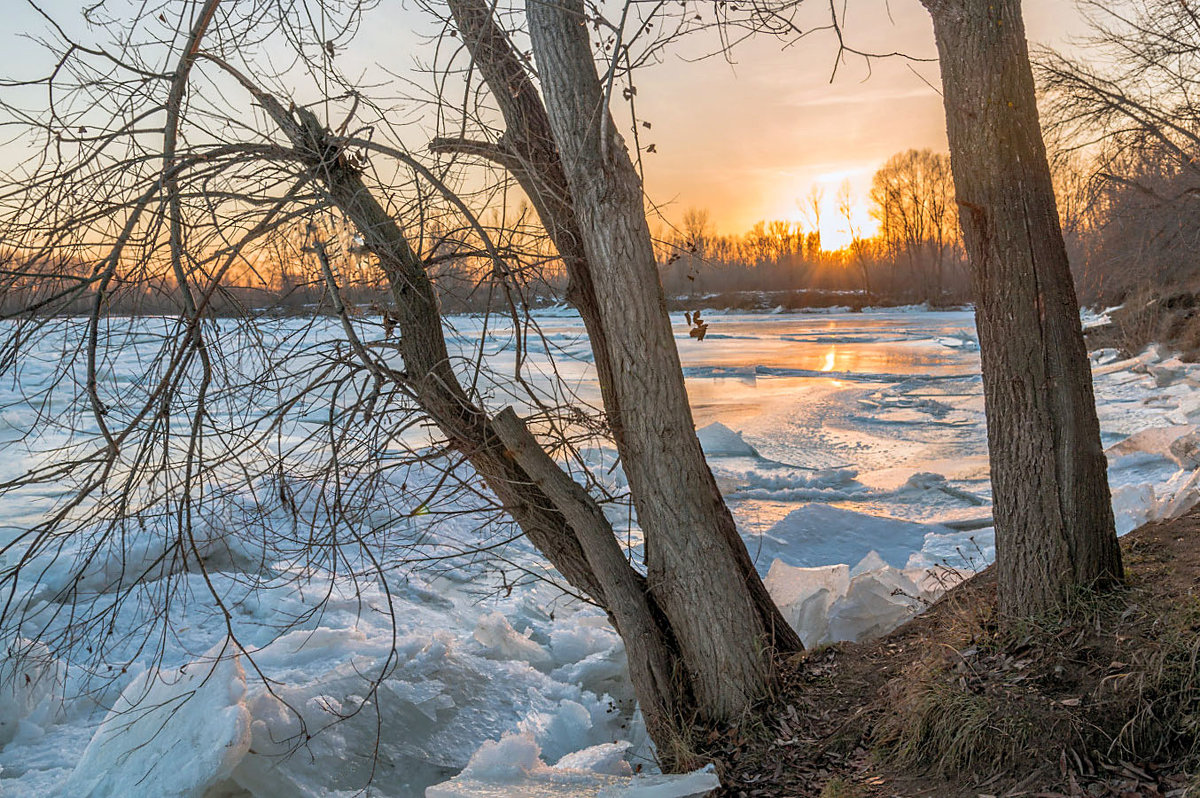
x,y
1111,679
1154,315
1100,698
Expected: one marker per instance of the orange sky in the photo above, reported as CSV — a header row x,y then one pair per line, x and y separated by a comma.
x,y
746,140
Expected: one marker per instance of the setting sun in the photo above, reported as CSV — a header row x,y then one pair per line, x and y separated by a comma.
x,y
822,204
838,234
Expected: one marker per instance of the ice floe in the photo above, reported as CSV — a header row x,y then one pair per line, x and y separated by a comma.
x,y
718,440
174,733
512,767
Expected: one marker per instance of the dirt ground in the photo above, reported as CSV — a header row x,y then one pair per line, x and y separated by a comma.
x,y
1103,699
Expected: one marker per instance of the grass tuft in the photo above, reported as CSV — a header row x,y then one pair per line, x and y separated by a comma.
x,y
1113,673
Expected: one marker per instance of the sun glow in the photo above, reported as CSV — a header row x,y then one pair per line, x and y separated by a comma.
x,y
836,233
836,204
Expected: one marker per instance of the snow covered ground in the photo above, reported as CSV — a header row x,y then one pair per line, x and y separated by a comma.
x,y
851,447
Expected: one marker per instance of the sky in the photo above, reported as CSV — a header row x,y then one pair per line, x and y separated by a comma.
x,y
748,141
747,137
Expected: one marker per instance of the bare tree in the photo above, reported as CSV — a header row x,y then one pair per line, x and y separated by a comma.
x,y
858,246
695,560
220,201
913,197
243,167
1129,134
1054,519
811,208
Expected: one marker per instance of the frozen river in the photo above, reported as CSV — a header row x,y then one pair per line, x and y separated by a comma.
x,y
832,435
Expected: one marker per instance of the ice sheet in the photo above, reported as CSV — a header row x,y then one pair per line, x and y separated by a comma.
x,y
172,733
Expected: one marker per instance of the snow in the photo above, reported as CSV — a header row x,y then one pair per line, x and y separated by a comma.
x,y
805,596
851,448
30,692
879,599
502,642
816,534
1094,319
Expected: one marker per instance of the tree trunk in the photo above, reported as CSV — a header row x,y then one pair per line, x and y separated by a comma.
x,y
1053,511
529,151
696,562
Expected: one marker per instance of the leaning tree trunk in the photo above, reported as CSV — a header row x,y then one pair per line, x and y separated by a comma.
x,y
695,559
558,516
529,151
1053,511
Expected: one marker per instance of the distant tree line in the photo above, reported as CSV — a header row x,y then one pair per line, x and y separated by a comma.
x,y
1125,146
916,255
1125,209
1126,121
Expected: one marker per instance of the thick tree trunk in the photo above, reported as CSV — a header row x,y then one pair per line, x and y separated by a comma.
x,y
529,151
1054,522
695,559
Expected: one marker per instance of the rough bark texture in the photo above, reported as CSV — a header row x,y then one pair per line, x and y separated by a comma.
x,y
696,562
529,151
1054,522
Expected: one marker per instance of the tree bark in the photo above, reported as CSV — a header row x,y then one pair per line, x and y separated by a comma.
x,y
560,517
529,151
696,561
1053,511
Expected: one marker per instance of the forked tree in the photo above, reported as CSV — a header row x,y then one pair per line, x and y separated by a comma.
x,y
231,171
699,571
710,652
